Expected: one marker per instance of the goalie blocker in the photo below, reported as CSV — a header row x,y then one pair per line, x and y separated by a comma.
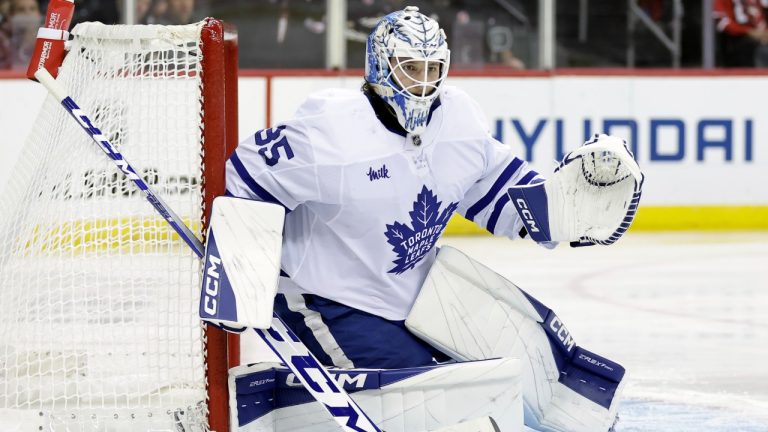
x,y
591,198
242,263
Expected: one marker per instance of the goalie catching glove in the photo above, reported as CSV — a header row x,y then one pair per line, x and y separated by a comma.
x,y
591,198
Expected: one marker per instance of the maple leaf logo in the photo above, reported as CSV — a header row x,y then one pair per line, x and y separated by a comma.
x,y
412,243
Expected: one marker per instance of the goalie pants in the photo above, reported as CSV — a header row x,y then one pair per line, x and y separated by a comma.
x,y
342,336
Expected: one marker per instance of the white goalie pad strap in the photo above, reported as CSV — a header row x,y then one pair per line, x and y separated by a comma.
x,y
242,263
469,312
266,397
591,198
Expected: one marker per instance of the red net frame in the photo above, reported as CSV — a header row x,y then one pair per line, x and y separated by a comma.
x,y
220,128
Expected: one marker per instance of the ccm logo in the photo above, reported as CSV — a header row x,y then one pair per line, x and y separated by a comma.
x,y
85,122
210,305
562,333
322,386
527,215
341,379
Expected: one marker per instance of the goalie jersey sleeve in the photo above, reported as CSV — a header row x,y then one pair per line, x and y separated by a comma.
x,y
487,203
275,165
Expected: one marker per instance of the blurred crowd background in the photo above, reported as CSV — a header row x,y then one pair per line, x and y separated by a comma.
x,y
482,34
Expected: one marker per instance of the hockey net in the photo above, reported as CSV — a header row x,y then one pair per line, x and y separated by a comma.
x,y
99,327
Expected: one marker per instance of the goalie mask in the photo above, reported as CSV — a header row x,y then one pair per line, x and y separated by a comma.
x,y
406,62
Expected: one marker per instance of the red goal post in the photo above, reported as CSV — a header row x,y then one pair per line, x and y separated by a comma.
x,y
220,67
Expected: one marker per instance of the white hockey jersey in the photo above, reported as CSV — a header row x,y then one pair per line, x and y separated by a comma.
x,y
367,202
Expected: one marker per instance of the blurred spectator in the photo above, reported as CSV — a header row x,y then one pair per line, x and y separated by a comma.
x,y
363,15
466,41
24,19
24,8
291,33
141,10
5,8
178,12
283,32
743,32
156,12
507,58
481,34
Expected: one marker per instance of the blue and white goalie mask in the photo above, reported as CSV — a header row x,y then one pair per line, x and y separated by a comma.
x,y
407,60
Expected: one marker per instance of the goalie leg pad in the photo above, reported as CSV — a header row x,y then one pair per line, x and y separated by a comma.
x,y
470,312
267,397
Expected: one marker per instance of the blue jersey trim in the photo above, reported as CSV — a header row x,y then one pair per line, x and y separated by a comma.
x,y
497,209
527,178
508,172
432,109
251,183
504,200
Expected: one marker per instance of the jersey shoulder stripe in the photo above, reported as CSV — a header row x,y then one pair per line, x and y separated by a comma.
x,y
242,172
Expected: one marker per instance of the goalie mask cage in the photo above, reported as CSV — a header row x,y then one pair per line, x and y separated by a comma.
x,y
99,327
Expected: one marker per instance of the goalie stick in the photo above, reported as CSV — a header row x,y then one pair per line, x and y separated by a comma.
x,y
278,337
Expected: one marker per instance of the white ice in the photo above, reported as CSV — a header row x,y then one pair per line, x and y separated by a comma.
x,y
686,314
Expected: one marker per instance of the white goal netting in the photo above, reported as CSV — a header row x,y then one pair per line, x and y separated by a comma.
x,y
98,305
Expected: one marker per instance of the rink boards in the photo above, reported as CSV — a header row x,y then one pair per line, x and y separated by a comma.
x,y
699,138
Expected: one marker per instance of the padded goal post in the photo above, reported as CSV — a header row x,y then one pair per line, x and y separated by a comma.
x,y
99,329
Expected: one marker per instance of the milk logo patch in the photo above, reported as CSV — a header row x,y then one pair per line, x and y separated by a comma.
x,y
412,243
381,173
